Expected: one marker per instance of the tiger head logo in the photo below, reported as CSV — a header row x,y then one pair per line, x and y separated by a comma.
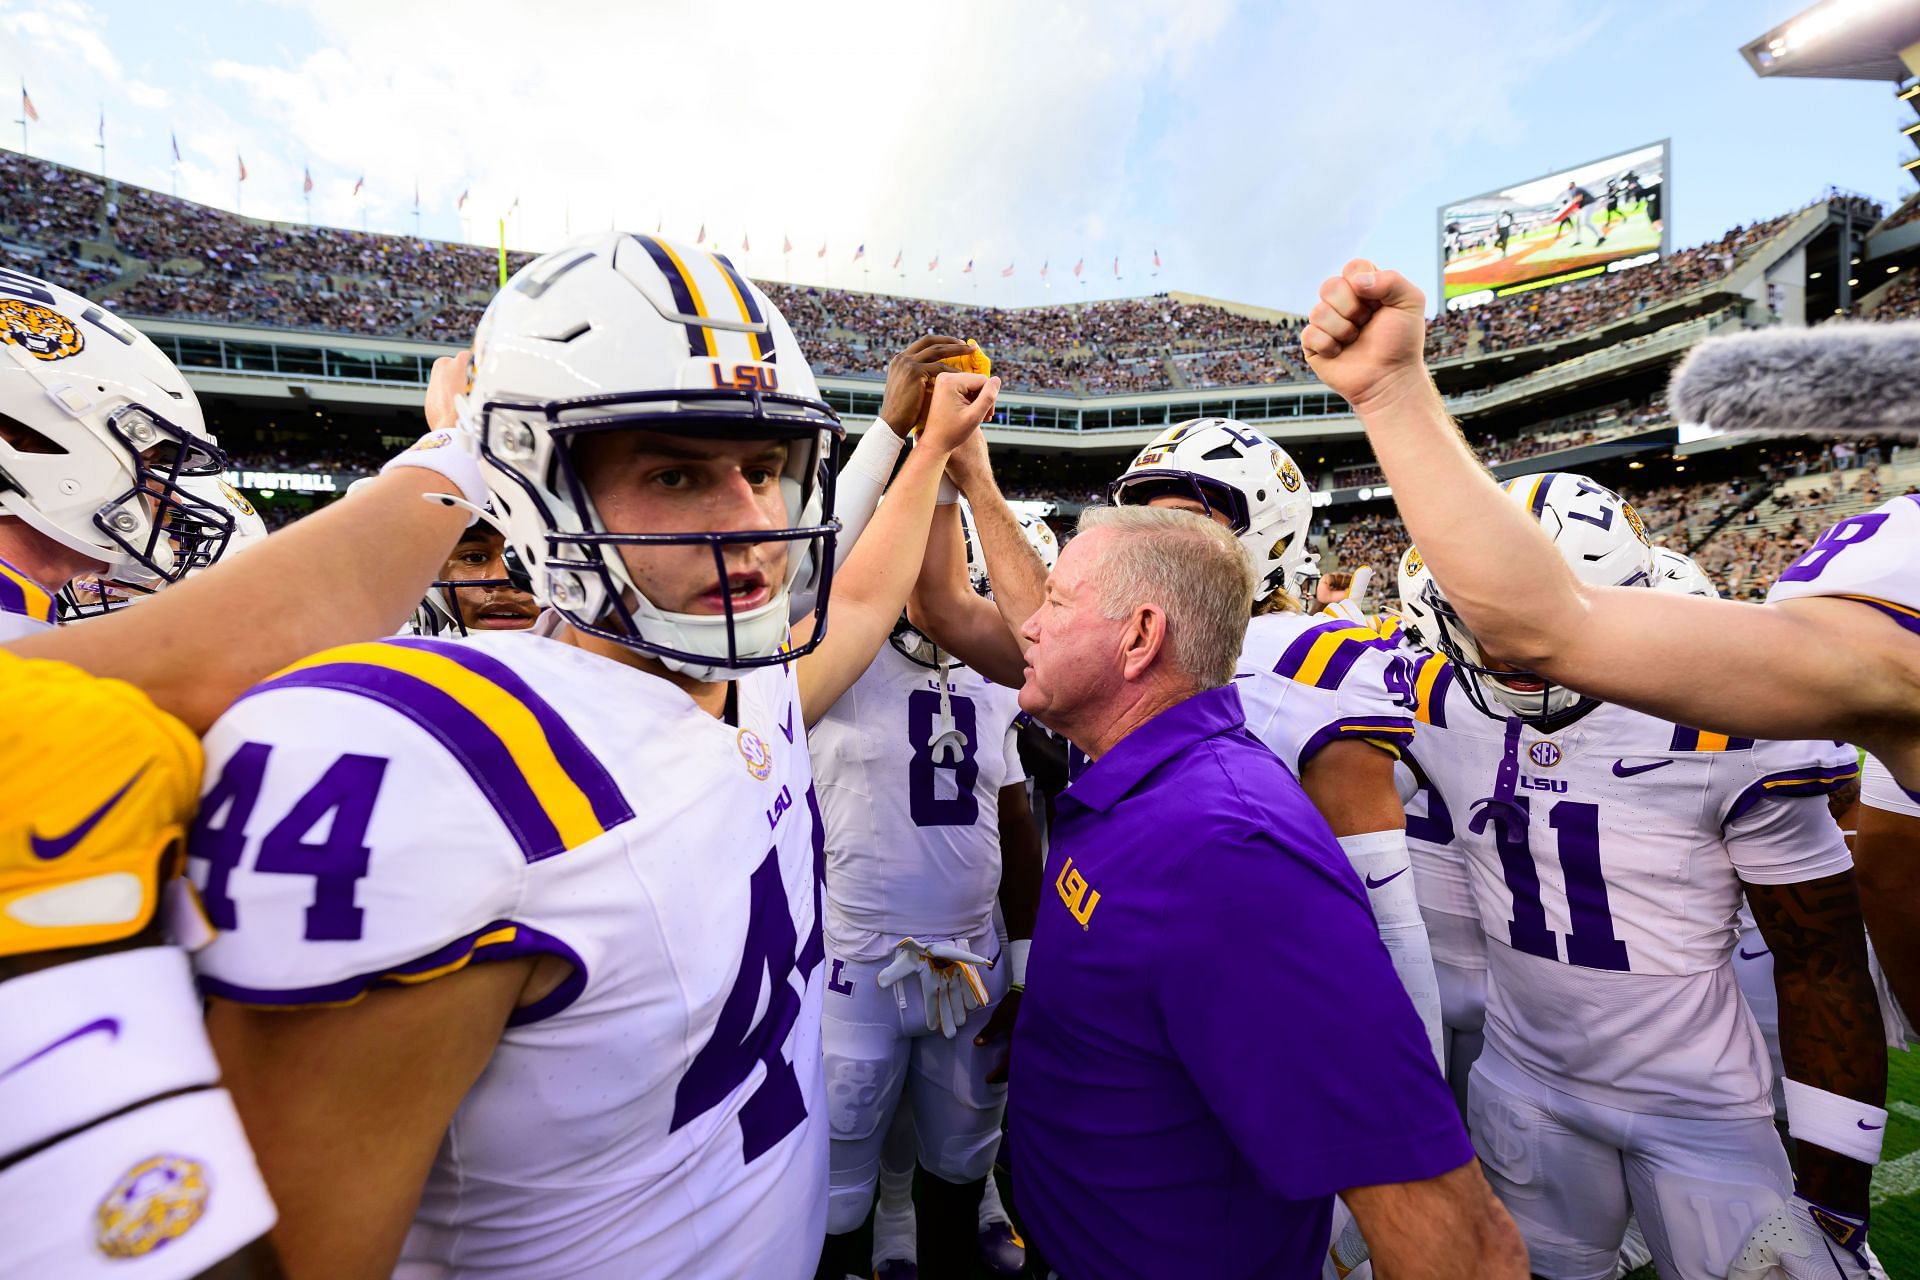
x,y
1413,563
1634,523
233,496
154,1203
1288,473
42,332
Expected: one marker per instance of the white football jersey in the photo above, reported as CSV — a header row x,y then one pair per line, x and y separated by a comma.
x,y
1873,558
382,814
913,828
1442,880
1607,859
1307,680
26,607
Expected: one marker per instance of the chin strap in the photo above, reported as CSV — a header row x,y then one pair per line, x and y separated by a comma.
x,y
946,737
479,513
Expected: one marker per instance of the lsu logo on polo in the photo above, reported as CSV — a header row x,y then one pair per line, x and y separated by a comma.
x,y
155,1202
41,332
1081,898
1545,754
755,751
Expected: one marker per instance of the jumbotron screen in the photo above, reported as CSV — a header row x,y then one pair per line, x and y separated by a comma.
x,y
1609,215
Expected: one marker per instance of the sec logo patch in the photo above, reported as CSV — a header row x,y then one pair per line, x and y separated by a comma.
x,y
1544,754
154,1203
758,755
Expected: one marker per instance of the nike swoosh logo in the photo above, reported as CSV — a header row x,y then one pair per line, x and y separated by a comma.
x,y
47,848
1752,955
109,1025
1375,884
1869,1127
1621,769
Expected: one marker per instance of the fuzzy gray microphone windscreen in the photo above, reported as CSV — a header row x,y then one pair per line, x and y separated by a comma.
x,y
1842,377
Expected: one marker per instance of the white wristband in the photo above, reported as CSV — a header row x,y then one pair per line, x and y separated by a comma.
x,y
1017,949
1844,1126
875,454
167,1190
450,454
83,1040
949,493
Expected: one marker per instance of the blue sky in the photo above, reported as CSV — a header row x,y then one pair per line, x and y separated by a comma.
x,y
1256,146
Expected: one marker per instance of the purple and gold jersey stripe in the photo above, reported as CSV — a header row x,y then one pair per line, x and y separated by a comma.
x,y
1322,655
1904,615
1430,687
1686,739
499,734
499,940
749,309
1389,733
686,294
1813,780
21,595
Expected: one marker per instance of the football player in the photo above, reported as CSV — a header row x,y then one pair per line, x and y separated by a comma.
x,y
482,587
98,432
1609,850
92,595
520,967
927,821
1329,697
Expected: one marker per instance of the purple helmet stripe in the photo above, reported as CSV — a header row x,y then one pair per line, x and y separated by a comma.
x,y
592,777
467,738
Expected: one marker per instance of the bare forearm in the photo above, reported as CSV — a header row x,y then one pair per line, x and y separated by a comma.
x,y
1445,1228
367,563
1019,579
945,608
1830,1033
1020,863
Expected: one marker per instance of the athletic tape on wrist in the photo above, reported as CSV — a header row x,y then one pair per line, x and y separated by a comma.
x,y
1017,949
443,452
876,453
949,493
87,1039
1844,1126
177,1175
1384,866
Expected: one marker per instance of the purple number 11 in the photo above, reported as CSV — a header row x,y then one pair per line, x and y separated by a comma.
x,y
1590,941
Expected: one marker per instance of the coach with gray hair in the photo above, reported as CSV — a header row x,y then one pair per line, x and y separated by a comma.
x,y
1213,1042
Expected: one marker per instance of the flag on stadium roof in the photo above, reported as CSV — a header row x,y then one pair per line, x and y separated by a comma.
x,y
1156,259
306,186
1007,272
510,208
1078,265
175,139
359,184
935,263
103,124
702,237
26,104
243,165
461,203
1043,268
786,244
968,269
823,250
860,253
897,255
1116,268
746,243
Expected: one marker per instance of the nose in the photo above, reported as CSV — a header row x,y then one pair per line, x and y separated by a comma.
x,y
737,505
1030,629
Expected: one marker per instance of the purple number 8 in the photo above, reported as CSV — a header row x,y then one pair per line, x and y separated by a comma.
x,y
1849,532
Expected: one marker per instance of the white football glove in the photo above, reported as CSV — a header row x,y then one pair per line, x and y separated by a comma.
x,y
950,986
1803,1241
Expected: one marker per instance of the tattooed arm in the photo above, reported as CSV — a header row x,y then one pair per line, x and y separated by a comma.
x,y
1830,1033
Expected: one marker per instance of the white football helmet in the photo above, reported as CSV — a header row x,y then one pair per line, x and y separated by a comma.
x,y
1417,622
1232,469
97,594
1039,535
97,432
619,332
1680,573
1604,543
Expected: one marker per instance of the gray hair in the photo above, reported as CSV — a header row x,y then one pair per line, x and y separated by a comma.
x,y
1196,572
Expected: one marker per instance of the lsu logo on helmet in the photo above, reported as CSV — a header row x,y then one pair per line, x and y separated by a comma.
x,y
238,500
1634,522
155,1202
1288,473
42,332
1414,564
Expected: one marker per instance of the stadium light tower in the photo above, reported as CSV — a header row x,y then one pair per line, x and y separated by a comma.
x,y
1849,40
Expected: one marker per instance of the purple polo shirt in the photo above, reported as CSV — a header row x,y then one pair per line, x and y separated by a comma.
x,y
1213,1041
